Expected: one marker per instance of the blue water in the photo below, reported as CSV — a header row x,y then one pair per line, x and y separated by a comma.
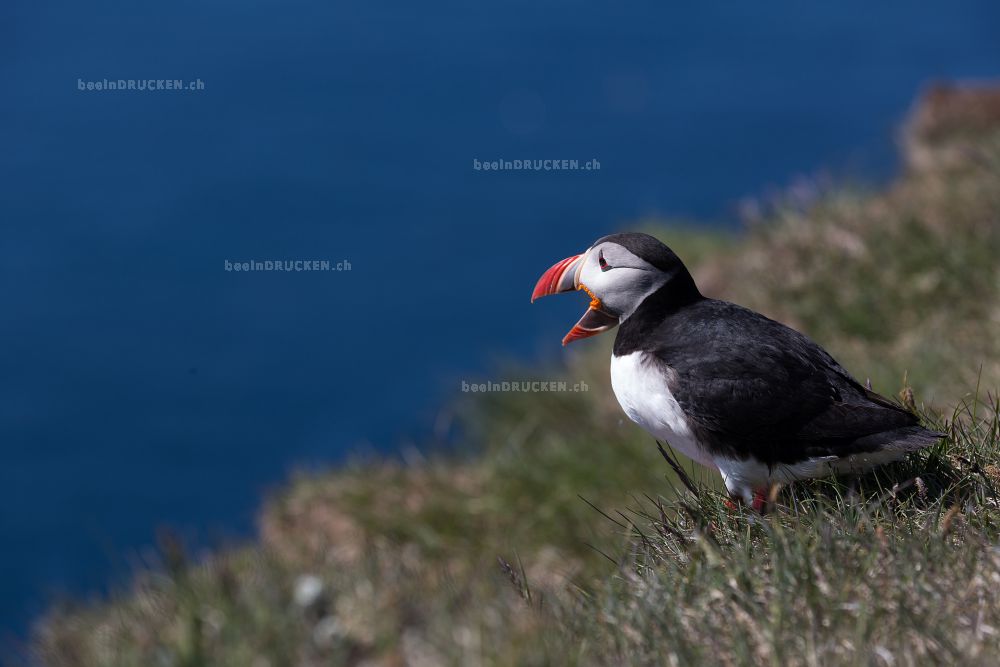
x,y
143,385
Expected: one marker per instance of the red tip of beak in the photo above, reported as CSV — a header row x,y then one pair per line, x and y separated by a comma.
x,y
576,333
593,322
560,278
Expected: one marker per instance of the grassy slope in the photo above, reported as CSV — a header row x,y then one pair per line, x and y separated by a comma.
x,y
399,564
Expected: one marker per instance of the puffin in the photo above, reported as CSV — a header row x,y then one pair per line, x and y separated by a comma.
x,y
729,388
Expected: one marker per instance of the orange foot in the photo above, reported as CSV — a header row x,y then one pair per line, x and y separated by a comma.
x,y
760,500
759,503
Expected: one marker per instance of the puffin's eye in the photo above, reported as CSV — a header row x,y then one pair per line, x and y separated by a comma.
x,y
603,262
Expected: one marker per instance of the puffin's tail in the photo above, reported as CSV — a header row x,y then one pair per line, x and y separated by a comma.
x,y
900,440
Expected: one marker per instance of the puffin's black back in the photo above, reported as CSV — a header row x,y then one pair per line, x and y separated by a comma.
x,y
751,386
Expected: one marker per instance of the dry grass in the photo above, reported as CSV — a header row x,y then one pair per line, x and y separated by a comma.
x,y
896,568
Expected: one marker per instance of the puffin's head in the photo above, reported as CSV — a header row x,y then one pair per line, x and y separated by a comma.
x,y
618,272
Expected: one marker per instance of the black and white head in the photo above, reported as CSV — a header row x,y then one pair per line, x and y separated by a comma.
x,y
618,272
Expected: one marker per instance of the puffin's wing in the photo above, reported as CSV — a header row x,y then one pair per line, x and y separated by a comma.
x,y
765,390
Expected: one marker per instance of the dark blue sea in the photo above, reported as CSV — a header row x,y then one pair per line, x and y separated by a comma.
x,y
144,385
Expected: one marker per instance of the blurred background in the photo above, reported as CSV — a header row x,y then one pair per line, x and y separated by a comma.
x,y
145,385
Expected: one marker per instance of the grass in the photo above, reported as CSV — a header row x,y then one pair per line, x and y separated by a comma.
x,y
898,567
560,535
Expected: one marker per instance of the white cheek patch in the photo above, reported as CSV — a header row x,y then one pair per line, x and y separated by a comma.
x,y
623,287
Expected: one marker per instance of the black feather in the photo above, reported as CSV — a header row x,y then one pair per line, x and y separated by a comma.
x,y
751,386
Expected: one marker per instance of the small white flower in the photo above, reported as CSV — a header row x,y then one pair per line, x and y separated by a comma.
x,y
308,588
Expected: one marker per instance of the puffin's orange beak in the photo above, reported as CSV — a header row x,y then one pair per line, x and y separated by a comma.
x,y
565,277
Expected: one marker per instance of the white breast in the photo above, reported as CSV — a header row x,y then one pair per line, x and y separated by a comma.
x,y
642,390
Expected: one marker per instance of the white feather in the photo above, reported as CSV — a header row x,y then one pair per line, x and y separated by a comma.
x,y
642,389
643,392
744,476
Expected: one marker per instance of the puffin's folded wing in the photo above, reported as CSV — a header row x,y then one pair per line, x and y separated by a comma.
x,y
779,407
